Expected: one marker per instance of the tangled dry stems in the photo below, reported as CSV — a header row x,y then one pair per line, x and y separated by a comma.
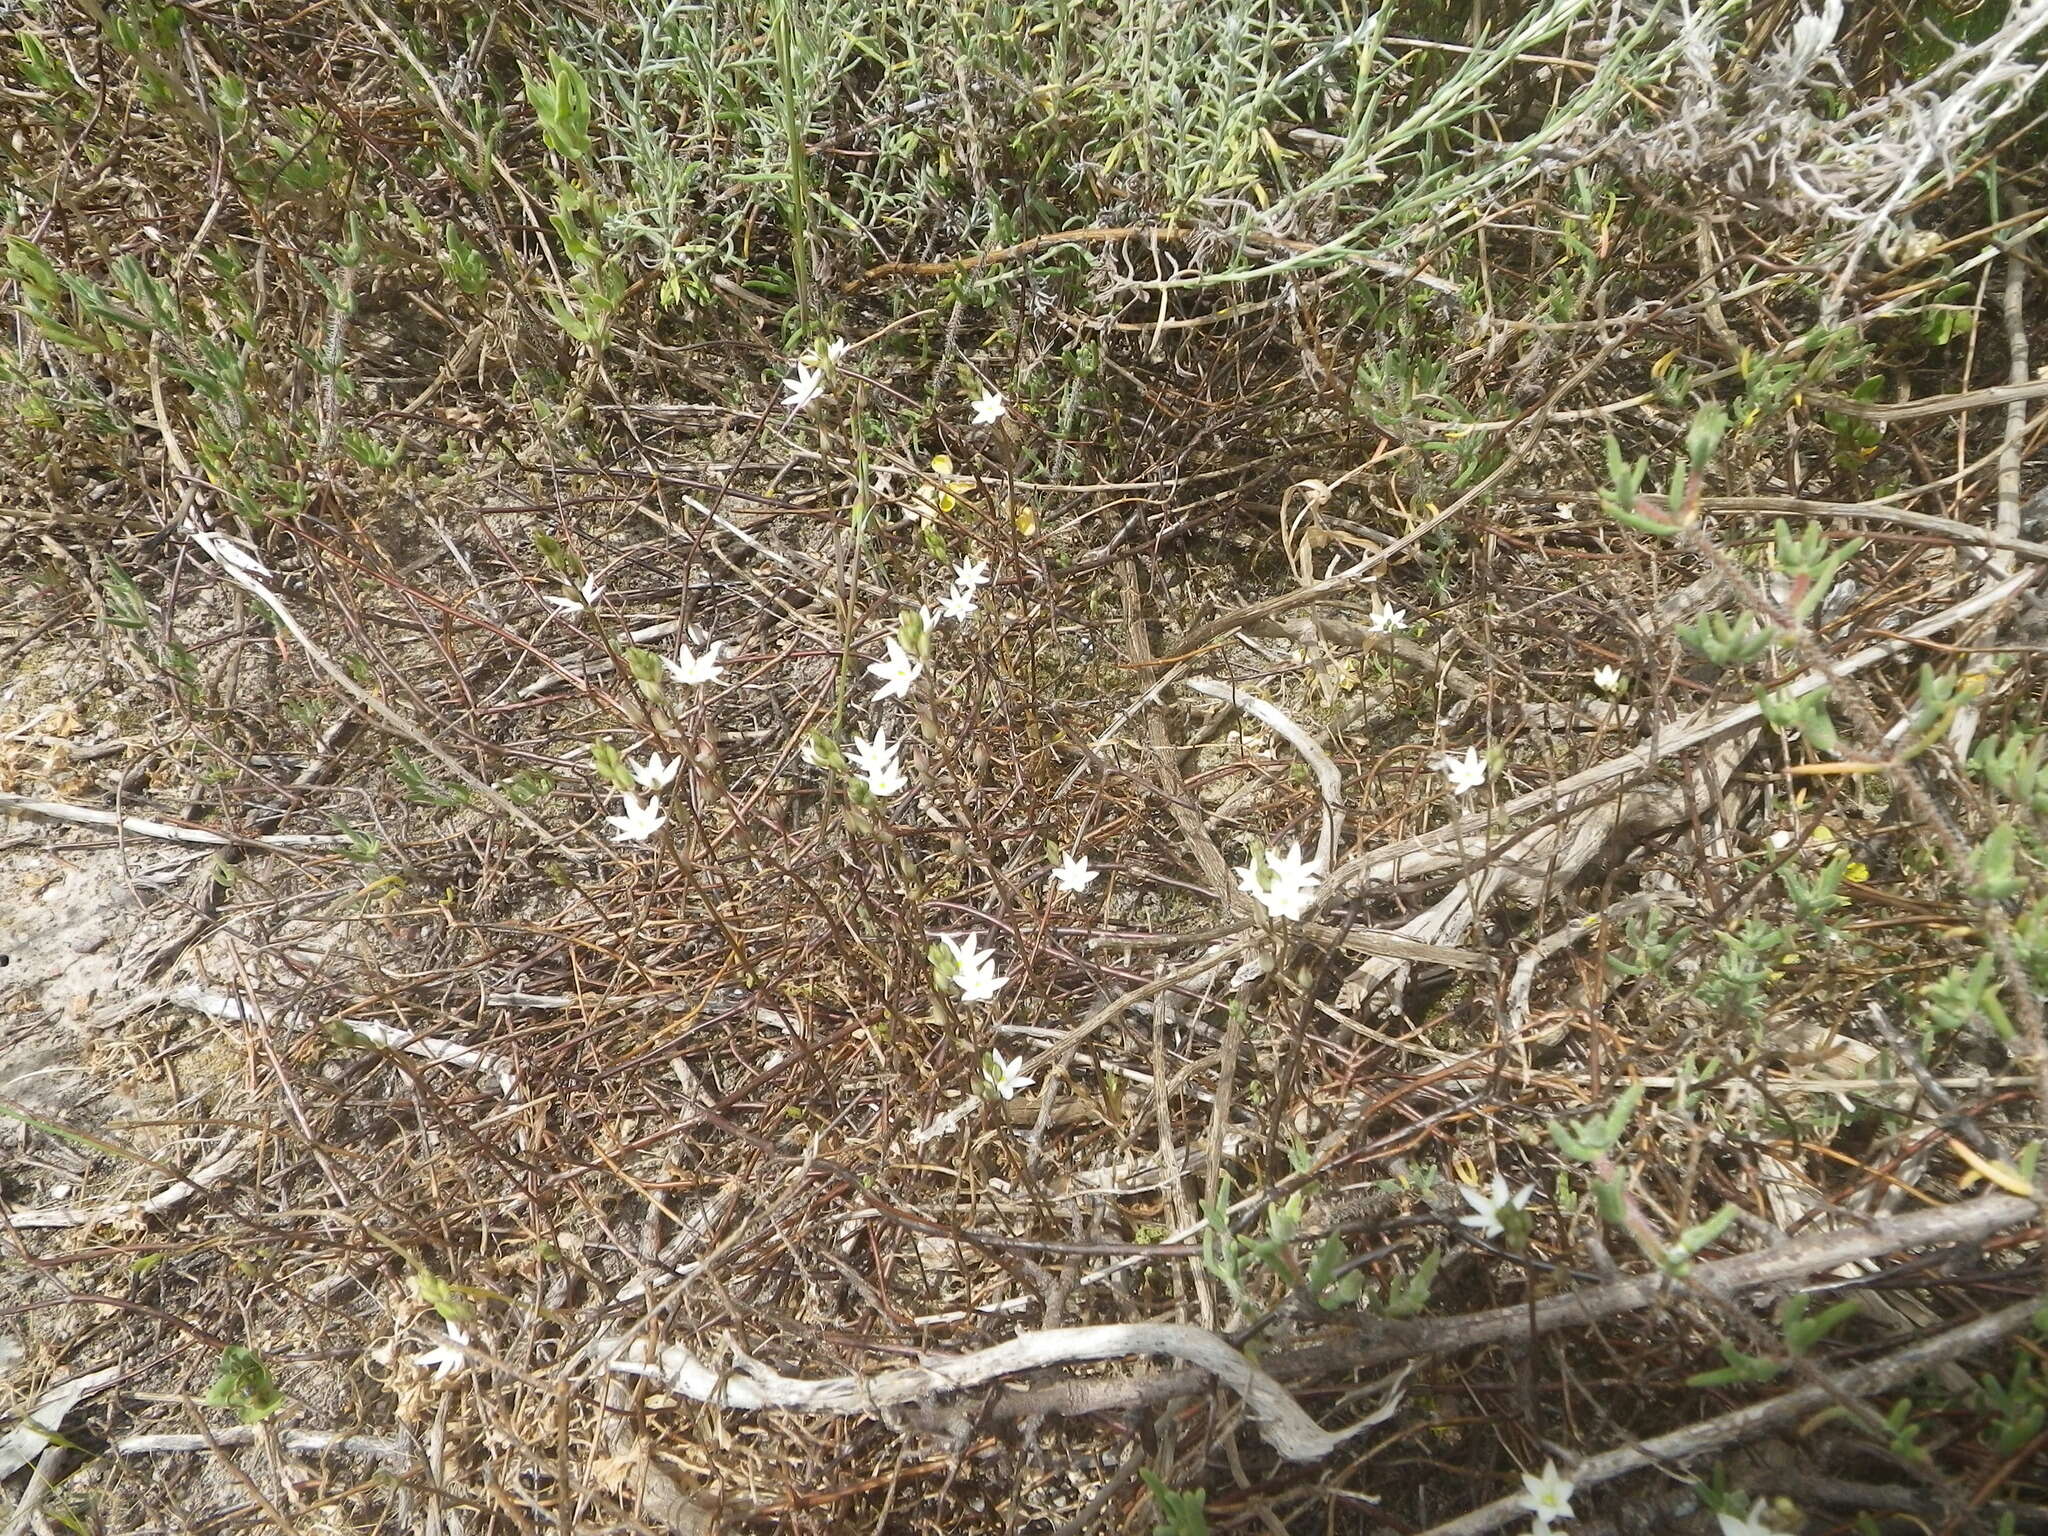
x,y
703,1097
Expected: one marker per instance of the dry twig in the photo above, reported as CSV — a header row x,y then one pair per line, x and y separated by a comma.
x,y
1291,1432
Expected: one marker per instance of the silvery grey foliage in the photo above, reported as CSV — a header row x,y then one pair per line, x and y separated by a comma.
x,y
1757,129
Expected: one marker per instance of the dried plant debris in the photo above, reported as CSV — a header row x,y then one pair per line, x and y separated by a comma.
x,y
866,767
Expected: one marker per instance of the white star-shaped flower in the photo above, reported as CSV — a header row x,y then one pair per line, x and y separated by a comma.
x,y
958,605
693,670
898,670
1609,679
1073,874
1547,1496
803,386
657,772
971,574
875,761
1487,1205
1006,1078
1751,1524
448,1358
824,355
990,409
582,595
640,820
1465,773
1386,618
1286,887
975,968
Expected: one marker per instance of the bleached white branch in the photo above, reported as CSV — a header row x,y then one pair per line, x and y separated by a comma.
x,y
447,1053
300,1442
1277,720
223,1161
161,831
751,1385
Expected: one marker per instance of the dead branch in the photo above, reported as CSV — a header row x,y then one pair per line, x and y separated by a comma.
x,y
1866,511
161,831
1554,855
1276,720
1933,405
1523,982
393,1453
1449,847
447,1053
1291,1432
1378,1343
1746,1423
223,1161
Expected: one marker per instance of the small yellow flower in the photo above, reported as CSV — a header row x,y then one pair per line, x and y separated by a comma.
x,y
929,499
